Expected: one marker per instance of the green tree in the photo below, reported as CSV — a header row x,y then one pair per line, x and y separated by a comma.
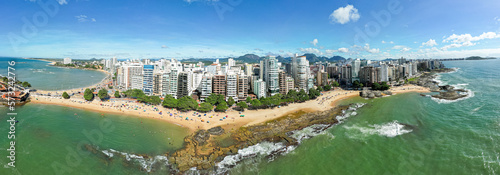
x,y
65,95
117,94
154,100
170,102
205,107
103,94
249,99
215,99
320,89
335,84
292,94
134,93
88,95
327,87
376,86
230,101
266,102
302,95
221,107
187,103
26,84
5,79
313,93
242,105
256,103
385,86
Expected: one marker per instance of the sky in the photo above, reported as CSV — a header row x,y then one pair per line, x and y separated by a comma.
x,y
365,29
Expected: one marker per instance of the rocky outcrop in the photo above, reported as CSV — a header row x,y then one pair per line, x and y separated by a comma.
x,y
450,95
216,131
203,151
373,94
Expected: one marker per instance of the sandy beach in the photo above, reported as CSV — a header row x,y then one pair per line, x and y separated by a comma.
x,y
211,119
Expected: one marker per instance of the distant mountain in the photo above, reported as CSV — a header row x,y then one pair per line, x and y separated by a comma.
x,y
313,58
479,58
249,58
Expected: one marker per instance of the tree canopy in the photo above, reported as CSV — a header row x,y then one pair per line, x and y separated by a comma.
x,y
103,94
221,107
65,95
205,107
230,101
187,103
170,102
117,94
242,105
215,99
88,95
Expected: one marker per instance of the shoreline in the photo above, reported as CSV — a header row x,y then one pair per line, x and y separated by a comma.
x,y
52,63
327,101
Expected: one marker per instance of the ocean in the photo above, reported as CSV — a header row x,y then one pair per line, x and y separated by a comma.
x,y
45,77
400,134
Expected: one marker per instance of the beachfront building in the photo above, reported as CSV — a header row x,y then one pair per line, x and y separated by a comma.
x,y
242,87
282,82
232,86
356,67
173,82
231,62
219,85
302,73
369,75
206,86
67,61
270,74
147,73
321,78
289,85
184,84
137,81
158,84
259,88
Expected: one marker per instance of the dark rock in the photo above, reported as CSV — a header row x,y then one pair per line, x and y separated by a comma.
x,y
201,137
216,131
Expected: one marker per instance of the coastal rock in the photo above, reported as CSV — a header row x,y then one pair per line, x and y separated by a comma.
x,y
446,87
216,131
450,95
377,93
201,137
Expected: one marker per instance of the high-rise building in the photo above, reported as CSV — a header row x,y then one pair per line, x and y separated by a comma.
x,y
282,82
231,62
219,85
232,86
346,75
356,66
147,86
270,73
137,81
302,73
184,84
242,87
173,82
321,78
290,84
369,75
259,88
206,86
158,84
384,72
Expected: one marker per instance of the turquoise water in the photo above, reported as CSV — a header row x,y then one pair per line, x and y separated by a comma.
x,y
44,77
51,139
460,137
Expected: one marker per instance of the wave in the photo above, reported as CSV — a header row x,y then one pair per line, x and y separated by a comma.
x,y
391,129
145,163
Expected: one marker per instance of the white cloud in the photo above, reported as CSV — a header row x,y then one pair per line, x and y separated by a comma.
x,y
345,14
401,48
467,39
383,42
430,43
311,50
371,50
314,42
164,47
497,19
258,49
62,2
391,42
343,50
84,18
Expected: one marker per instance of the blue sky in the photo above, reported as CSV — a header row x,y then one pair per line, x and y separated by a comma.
x,y
84,29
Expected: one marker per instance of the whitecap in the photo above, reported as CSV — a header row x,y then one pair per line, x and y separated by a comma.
x,y
391,129
469,94
146,164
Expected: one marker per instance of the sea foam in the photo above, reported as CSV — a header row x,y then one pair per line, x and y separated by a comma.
x,y
391,129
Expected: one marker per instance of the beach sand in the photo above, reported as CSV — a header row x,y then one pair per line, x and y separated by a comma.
x,y
233,121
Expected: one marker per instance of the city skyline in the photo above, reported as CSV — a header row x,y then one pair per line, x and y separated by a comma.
x,y
218,29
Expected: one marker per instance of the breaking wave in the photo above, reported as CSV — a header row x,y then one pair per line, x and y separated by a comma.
x,y
391,129
146,163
